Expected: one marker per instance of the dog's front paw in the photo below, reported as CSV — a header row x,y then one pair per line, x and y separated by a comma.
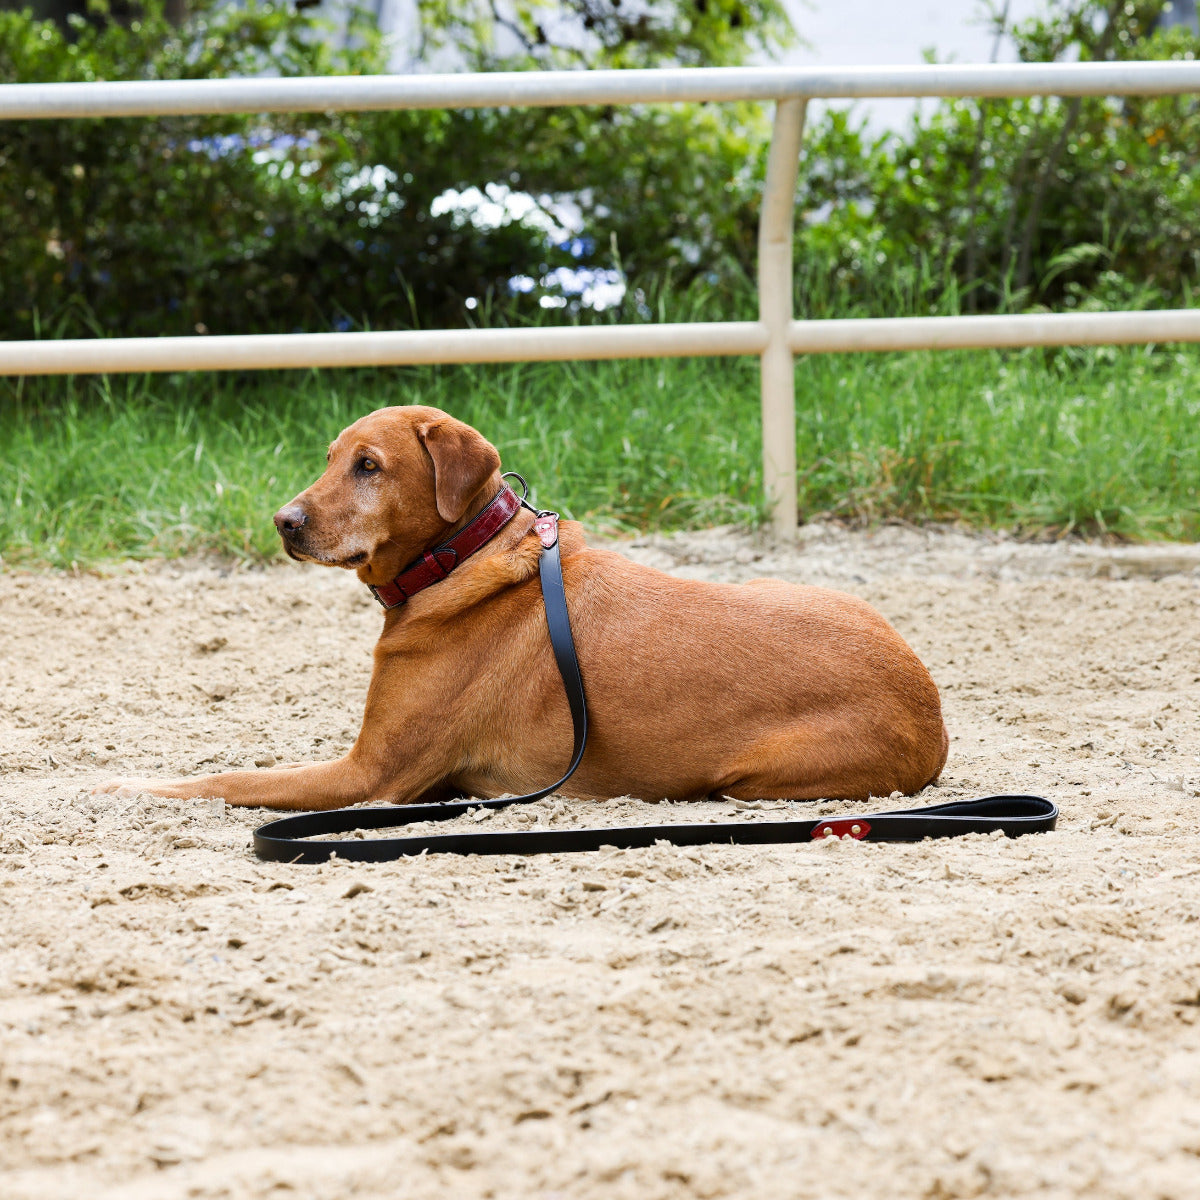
x,y
125,789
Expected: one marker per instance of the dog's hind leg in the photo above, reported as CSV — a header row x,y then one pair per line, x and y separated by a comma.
x,y
835,760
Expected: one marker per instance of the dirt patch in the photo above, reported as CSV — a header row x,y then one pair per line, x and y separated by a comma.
x,y
980,1017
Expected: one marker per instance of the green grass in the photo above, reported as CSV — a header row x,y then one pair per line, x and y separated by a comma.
x,y
1097,440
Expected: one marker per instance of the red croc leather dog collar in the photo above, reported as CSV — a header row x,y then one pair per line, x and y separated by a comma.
x,y
434,565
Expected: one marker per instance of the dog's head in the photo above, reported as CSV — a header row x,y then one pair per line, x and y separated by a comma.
x,y
397,482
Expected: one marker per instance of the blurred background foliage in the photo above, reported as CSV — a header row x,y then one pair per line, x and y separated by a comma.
x,y
1001,205
339,221
319,221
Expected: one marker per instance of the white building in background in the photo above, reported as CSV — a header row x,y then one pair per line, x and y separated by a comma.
x,y
1181,12
890,32
878,32
843,32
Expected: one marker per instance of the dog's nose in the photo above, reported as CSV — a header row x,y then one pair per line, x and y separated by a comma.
x,y
289,518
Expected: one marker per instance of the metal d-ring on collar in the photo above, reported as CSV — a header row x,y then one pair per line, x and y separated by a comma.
x,y
545,525
537,512
524,487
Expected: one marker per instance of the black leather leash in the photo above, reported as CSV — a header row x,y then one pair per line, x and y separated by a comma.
x,y
286,840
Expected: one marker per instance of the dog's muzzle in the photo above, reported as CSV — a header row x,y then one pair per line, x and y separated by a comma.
x,y
291,521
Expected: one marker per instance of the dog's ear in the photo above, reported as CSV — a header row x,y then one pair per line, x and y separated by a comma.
x,y
463,461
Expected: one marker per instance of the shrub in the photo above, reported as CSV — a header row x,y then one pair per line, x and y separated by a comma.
x,y
1012,203
251,223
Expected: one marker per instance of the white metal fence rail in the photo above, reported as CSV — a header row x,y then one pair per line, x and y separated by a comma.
x,y
776,337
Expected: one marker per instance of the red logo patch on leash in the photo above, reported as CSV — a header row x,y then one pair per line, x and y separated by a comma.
x,y
855,829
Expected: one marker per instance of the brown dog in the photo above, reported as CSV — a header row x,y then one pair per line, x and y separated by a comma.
x,y
694,689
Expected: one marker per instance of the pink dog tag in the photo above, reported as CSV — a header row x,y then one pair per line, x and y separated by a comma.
x,y
547,529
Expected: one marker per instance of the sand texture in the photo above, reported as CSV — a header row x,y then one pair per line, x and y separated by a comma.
x,y
975,1018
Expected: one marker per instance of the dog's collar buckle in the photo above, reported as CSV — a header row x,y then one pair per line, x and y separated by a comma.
x,y
378,598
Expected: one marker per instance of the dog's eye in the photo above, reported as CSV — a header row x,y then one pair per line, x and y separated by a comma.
x,y
367,465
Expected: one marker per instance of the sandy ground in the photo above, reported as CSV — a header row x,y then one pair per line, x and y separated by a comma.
x,y
981,1017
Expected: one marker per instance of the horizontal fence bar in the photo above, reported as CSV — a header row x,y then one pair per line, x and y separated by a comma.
x,y
716,338
147,98
89,356
977,333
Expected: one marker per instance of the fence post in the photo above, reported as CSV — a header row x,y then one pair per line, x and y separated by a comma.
x,y
775,312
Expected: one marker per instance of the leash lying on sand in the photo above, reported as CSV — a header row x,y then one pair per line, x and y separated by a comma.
x,y
283,840
286,840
